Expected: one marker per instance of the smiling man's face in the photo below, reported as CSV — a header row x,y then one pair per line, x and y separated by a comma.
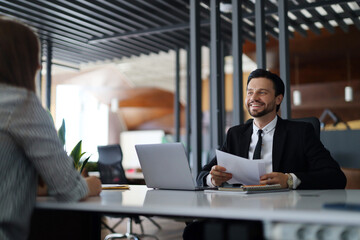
x,y
260,98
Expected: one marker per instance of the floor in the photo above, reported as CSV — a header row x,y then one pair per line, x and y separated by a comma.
x,y
171,229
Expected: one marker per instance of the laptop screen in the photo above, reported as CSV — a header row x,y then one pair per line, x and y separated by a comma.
x,y
165,166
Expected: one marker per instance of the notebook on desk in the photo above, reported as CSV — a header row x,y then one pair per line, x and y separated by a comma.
x,y
165,166
251,189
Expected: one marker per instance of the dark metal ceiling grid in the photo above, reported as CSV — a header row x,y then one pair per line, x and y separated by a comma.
x,y
133,46
163,43
270,22
294,24
318,18
84,31
333,15
179,39
351,14
154,19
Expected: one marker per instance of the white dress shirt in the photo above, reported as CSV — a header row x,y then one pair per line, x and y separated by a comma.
x,y
267,143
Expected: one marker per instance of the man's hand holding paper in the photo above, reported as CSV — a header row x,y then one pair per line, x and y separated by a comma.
x,y
219,175
242,170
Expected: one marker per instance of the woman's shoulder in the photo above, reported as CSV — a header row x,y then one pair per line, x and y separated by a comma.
x,y
13,93
16,100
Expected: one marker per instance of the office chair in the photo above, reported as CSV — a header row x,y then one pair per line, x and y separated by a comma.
x,y
110,165
112,172
314,121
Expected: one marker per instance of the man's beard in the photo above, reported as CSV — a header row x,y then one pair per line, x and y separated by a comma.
x,y
258,114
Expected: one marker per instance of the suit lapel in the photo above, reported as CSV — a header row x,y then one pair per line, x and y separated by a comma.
x,y
278,143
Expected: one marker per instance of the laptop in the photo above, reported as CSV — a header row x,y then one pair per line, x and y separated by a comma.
x,y
165,166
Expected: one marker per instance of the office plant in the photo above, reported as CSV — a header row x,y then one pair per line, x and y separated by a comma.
x,y
76,153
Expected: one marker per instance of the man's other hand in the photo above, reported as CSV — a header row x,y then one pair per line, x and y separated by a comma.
x,y
274,178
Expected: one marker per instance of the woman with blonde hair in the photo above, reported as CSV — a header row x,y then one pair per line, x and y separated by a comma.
x,y
29,145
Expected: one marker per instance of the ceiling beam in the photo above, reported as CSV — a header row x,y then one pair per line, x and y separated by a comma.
x,y
145,32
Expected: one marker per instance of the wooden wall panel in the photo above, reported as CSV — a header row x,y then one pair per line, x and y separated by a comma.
x,y
322,58
317,97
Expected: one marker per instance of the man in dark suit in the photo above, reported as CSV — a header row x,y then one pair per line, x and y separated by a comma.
x,y
296,157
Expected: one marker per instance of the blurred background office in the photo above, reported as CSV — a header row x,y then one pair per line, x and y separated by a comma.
x,y
111,68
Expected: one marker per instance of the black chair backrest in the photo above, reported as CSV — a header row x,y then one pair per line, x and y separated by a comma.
x,y
110,165
314,121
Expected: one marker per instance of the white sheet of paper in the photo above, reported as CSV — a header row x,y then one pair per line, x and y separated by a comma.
x,y
243,170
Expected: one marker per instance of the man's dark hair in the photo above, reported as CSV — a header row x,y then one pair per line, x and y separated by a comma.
x,y
278,83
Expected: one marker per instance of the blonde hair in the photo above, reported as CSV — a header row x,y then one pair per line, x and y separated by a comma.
x,y
19,54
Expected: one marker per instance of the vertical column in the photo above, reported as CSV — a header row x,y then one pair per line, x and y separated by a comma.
x,y
196,112
284,57
188,102
260,34
215,76
237,51
48,73
221,93
177,96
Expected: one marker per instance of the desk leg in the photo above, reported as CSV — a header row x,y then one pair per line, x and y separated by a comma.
x,y
60,225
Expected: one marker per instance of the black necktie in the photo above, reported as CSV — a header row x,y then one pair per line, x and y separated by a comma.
x,y
257,153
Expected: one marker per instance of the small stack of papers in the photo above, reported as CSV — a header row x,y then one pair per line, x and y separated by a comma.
x,y
115,187
248,189
244,188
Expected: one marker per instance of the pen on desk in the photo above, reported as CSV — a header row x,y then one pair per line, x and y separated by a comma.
x,y
119,187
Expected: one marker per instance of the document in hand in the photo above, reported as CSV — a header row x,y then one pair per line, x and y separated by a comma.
x,y
245,171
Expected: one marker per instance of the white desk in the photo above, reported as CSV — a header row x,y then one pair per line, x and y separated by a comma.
x,y
294,206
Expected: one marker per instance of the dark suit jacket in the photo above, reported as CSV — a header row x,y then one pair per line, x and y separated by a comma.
x,y
296,149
